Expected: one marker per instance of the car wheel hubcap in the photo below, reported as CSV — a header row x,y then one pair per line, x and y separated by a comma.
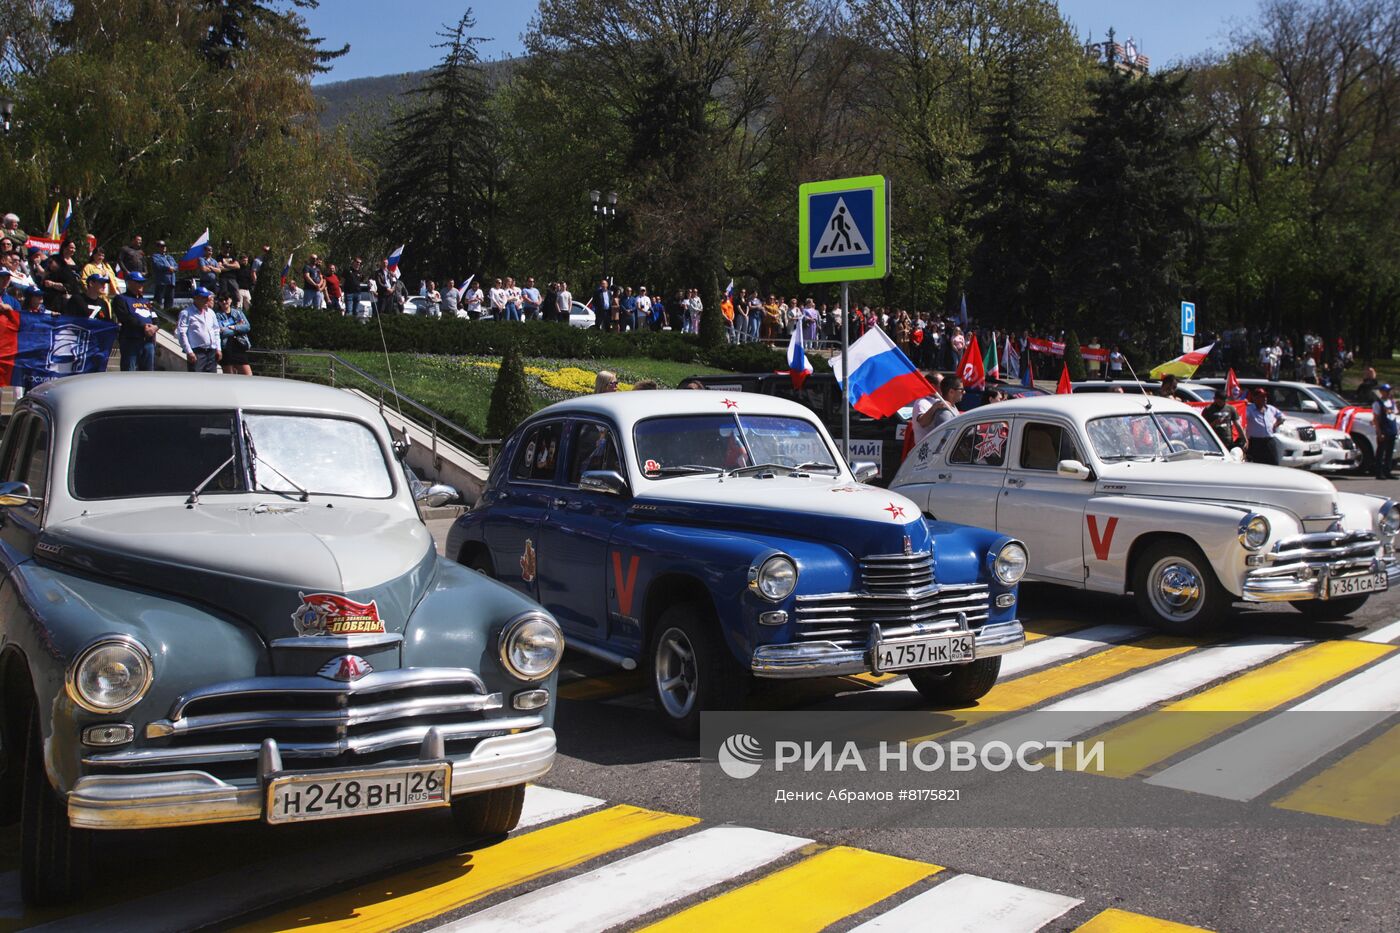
x,y
676,678
1175,588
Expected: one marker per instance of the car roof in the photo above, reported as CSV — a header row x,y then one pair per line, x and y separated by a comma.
x,y
1080,407
627,407
75,397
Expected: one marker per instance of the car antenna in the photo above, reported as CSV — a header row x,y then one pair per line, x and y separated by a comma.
x,y
1147,396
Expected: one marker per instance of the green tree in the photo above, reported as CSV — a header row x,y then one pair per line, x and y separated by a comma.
x,y
266,314
1074,357
1129,213
510,396
440,176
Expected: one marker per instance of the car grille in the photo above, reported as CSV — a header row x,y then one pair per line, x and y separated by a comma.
x,y
1340,552
318,718
899,595
1307,433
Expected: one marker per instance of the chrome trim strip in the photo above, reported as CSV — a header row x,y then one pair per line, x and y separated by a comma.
x,y
337,642
361,744
828,659
193,798
378,712
373,683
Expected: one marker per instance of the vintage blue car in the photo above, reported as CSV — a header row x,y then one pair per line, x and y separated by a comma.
x,y
219,603
714,537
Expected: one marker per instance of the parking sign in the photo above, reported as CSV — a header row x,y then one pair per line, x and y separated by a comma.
x,y
1188,319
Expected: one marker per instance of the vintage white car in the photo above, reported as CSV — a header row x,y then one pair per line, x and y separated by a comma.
x,y
1120,493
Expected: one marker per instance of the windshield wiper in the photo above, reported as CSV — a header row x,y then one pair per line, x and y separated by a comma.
x,y
254,460
193,500
682,470
758,468
815,465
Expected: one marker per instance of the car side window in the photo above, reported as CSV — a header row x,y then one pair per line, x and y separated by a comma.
x,y
1043,446
982,444
14,444
1285,398
595,448
34,470
538,453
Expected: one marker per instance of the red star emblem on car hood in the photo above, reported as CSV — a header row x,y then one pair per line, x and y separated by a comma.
x,y
730,403
896,512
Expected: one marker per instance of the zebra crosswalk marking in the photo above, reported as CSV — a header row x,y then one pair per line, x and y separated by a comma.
x,y
1364,786
971,904
1114,920
1385,635
449,884
1034,689
1142,743
810,895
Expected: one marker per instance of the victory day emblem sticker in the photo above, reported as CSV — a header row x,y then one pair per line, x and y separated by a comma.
x,y
329,614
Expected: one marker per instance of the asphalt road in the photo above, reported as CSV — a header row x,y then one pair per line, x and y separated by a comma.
x,y
1327,863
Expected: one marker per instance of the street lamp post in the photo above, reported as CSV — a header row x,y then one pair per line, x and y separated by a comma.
x,y
7,112
605,210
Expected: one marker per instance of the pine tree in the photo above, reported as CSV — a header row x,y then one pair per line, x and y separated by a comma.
x,y
1126,219
510,397
1074,358
712,325
439,182
266,314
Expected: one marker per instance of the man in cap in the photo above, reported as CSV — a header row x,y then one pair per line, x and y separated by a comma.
x,y
1383,417
137,317
198,333
33,300
8,300
1261,421
93,301
164,266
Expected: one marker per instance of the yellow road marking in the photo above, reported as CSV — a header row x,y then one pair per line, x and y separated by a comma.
x,y
875,679
1138,745
597,688
1033,689
810,895
1114,920
1044,628
1364,786
448,884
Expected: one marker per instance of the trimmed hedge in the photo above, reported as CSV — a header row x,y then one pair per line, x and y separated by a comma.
x,y
316,330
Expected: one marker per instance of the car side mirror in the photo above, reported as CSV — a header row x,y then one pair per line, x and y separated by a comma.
x,y
865,471
1073,469
438,494
17,494
609,482
1237,455
401,447
1309,405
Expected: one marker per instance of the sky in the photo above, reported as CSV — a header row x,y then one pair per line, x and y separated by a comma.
x,y
393,38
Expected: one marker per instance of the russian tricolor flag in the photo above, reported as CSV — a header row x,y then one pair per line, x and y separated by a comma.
x,y
394,258
878,378
287,269
799,367
196,252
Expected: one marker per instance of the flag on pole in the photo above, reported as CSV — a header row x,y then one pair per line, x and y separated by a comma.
x,y
54,232
1233,389
1028,372
67,217
195,253
878,378
989,362
962,310
799,367
287,269
1184,366
1011,360
729,289
1064,387
394,258
971,368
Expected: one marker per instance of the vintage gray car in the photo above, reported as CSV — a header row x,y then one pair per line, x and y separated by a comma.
x,y
220,603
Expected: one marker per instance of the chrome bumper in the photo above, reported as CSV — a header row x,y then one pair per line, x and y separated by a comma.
x,y
194,798
1307,581
825,659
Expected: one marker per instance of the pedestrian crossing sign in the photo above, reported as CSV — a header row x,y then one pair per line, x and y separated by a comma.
x,y
843,229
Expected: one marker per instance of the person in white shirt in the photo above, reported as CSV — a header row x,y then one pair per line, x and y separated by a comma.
x,y
641,309
198,333
932,410
472,300
497,296
564,303
695,307
512,300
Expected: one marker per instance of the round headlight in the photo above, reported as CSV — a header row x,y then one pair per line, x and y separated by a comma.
x,y
1254,531
111,675
531,646
1010,565
776,578
1389,522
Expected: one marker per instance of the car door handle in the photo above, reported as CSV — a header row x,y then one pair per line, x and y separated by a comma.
x,y
558,503
945,476
1013,481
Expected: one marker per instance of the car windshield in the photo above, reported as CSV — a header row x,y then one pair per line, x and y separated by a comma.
x,y
713,443
1149,436
170,453
1329,399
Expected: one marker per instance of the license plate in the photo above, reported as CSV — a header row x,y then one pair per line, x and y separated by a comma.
x,y
349,793
928,651
1349,586
1313,452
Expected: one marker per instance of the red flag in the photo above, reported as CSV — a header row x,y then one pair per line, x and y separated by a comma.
x,y
970,367
1064,387
1232,386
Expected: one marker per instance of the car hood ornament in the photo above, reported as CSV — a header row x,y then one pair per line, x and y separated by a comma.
x,y
347,668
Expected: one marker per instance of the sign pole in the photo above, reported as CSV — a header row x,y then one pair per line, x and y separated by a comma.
x,y
845,364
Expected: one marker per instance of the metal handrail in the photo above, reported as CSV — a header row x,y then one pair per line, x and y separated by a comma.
x,y
432,418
